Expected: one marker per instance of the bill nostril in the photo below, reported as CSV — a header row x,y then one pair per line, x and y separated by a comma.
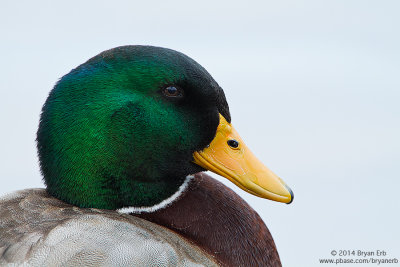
x,y
233,143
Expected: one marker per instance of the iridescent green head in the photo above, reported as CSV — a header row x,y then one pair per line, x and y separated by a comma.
x,y
120,130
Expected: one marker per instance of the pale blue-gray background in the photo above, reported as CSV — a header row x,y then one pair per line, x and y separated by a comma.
x,y
313,88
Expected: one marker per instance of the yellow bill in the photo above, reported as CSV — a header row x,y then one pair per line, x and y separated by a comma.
x,y
228,156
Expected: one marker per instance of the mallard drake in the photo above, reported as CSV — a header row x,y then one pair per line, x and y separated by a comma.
x,y
123,140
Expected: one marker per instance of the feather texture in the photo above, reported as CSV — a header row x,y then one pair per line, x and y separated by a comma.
x,y
39,230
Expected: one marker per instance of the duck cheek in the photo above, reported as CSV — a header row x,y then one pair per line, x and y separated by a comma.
x,y
206,129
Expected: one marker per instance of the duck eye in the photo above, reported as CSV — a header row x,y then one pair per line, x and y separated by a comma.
x,y
172,91
233,143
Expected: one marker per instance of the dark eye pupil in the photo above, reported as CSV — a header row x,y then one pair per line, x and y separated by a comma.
x,y
171,91
233,143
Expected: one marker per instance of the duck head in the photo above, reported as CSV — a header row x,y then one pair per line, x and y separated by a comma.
x,y
127,127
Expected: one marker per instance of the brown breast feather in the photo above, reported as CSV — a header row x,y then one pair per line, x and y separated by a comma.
x,y
220,222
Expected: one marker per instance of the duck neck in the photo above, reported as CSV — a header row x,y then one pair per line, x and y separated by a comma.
x,y
162,204
110,192
220,222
